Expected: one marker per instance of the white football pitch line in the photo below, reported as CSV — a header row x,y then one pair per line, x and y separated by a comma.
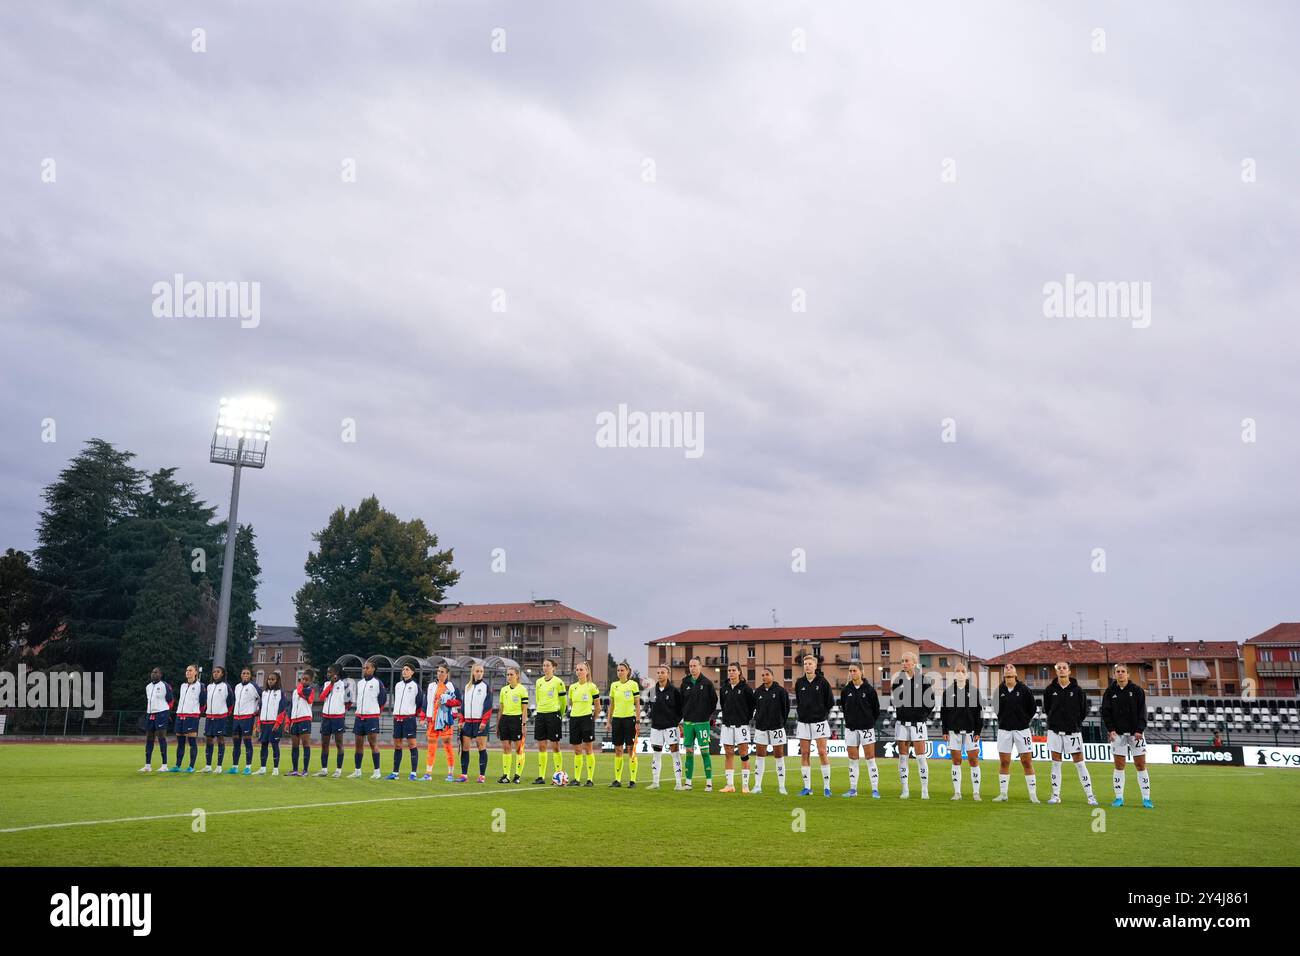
x,y
298,806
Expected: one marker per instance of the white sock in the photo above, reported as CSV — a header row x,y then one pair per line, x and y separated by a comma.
x,y
874,773
1144,782
1004,781
1031,782
654,767
923,768
780,772
758,772
1056,779
853,774
902,768
975,779
826,776
1082,769
731,778
806,771
744,776
956,778
677,766
1117,782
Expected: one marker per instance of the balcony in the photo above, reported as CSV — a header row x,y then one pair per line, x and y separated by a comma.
x,y
1277,668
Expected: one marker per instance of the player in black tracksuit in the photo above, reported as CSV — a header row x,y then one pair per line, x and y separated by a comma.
x,y
813,700
962,718
861,707
1016,709
737,714
1066,707
771,714
912,695
665,718
1124,715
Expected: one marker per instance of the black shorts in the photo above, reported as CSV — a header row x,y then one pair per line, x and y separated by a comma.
x,y
547,727
624,731
510,728
582,730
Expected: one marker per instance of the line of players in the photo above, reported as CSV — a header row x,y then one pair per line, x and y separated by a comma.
x,y
680,717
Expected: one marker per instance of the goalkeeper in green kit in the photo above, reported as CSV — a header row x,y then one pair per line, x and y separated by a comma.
x,y
699,701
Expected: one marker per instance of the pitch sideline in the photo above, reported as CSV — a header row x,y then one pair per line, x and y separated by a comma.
x,y
298,806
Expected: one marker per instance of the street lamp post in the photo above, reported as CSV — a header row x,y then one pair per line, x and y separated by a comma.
x,y
1003,638
240,441
963,621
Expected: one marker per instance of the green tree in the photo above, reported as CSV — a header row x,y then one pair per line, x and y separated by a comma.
x,y
373,586
161,631
18,601
78,564
243,600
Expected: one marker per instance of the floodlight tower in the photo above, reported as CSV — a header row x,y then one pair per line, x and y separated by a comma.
x,y
963,621
240,440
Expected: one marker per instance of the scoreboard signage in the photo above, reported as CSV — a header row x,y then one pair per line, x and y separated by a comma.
x,y
1226,756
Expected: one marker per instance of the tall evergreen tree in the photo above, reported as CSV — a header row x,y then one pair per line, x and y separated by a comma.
x,y
373,586
161,631
79,567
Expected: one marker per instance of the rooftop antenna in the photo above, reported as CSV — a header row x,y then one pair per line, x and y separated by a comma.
x,y
775,622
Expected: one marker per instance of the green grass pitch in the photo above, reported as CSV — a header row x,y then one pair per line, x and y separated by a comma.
x,y
1204,816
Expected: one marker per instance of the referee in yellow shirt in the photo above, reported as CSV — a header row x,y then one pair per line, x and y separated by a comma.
x,y
584,711
549,696
624,716
510,728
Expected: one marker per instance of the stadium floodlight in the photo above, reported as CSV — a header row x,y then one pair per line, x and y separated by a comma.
x,y
963,621
240,440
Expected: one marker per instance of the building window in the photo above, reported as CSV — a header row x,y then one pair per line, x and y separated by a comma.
x,y
884,674
785,652
496,632
788,675
817,651
297,679
663,654
943,662
750,653
1266,655
884,648
555,629
261,678
460,632
855,652
1179,675
479,634
750,678
261,655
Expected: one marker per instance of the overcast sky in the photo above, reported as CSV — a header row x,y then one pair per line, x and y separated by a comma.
x,y
649,183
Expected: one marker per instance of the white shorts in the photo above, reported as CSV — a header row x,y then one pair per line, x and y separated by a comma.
x,y
734,736
1064,744
909,732
860,738
960,742
1127,745
770,738
818,731
1022,741
665,737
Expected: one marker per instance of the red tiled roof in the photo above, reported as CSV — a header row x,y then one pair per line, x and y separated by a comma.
x,y
1095,652
522,613
1278,634
1049,652
767,635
